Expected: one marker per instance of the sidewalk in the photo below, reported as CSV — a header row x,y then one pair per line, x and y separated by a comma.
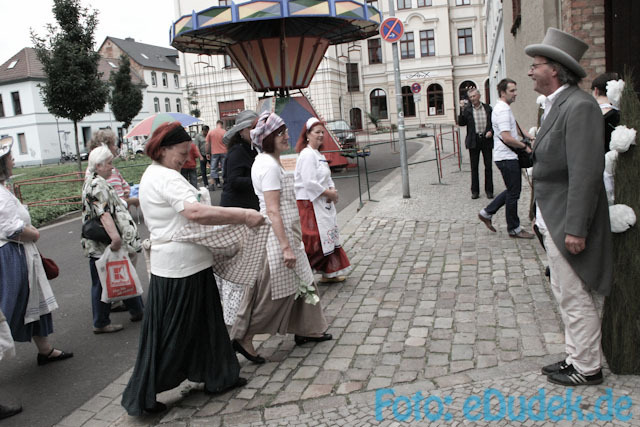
x,y
436,304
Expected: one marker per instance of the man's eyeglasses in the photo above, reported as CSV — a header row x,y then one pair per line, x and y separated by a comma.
x,y
533,66
283,132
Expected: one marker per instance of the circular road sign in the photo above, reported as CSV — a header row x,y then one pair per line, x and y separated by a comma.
x,y
416,88
391,29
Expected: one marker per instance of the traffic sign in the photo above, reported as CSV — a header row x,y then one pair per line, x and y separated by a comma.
x,y
416,88
417,97
391,29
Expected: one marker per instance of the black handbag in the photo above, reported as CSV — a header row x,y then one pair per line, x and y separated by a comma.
x,y
94,230
525,159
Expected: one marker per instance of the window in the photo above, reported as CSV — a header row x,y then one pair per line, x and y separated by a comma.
x,y
355,116
228,62
144,56
464,88
463,2
378,100
17,108
375,51
176,81
373,3
154,79
1,107
13,64
427,43
487,92
424,3
407,50
353,81
167,105
435,100
165,80
408,106
404,4
22,143
111,64
465,41
224,2
156,105
178,105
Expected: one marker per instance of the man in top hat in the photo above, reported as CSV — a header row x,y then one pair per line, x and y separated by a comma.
x,y
571,205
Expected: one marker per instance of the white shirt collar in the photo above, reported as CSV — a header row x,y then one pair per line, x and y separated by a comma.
x,y
548,102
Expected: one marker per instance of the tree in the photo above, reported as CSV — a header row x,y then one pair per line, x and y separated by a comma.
x,y
73,88
126,97
192,99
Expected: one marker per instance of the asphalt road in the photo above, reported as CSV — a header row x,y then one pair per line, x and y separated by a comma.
x,y
49,393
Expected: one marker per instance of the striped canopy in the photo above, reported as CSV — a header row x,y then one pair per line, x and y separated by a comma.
x,y
275,44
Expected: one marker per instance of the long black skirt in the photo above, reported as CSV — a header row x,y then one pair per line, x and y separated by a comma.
x,y
183,337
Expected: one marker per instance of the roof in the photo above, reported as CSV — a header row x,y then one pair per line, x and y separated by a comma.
x,y
147,55
28,67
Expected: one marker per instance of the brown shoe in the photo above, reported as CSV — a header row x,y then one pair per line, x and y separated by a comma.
x,y
487,222
522,235
109,329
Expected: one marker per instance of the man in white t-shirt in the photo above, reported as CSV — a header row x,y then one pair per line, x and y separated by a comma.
x,y
505,140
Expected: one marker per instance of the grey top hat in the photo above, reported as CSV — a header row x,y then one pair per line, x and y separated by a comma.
x,y
560,47
244,119
5,145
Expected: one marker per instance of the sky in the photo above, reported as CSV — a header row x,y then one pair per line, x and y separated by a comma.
x,y
147,21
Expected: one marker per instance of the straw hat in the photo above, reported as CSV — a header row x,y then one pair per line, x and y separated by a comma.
x,y
560,47
5,145
244,119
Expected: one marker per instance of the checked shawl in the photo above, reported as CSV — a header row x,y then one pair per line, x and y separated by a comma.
x,y
238,251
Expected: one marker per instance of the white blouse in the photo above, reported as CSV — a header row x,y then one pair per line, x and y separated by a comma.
x,y
312,176
14,217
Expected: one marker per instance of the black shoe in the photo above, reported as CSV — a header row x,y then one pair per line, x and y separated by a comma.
x,y
118,307
136,317
569,377
489,195
239,349
547,272
303,340
156,408
7,411
475,195
43,359
554,367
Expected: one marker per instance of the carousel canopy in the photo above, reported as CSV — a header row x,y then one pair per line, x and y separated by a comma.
x,y
275,44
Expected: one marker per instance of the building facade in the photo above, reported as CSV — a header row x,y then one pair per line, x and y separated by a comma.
x,y
443,49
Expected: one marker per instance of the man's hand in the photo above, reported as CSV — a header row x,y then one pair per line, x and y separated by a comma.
x,y
575,244
253,218
489,135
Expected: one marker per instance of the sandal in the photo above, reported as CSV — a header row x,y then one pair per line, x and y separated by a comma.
x,y
44,359
337,279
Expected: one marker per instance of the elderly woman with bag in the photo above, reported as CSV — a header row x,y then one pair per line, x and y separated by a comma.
x,y
183,335
316,196
277,303
26,298
102,209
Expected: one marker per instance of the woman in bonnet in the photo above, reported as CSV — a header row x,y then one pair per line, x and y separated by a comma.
x,y
271,306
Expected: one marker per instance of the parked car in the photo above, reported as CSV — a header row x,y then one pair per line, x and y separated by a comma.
x,y
344,133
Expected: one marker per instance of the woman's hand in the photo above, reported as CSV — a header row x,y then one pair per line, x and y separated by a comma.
x,y
253,218
29,234
289,257
331,194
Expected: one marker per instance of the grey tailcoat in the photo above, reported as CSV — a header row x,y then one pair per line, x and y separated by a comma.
x,y
567,175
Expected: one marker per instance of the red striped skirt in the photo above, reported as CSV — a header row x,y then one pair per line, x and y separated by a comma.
x,y
330,265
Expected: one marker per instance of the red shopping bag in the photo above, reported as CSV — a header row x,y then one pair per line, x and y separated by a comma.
x,y
118,276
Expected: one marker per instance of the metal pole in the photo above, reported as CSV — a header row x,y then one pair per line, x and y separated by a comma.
x,y
403,146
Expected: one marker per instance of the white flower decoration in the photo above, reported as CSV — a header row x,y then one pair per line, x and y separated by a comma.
x,y
614,91
541,100
621,138
622,217
610,160
609,187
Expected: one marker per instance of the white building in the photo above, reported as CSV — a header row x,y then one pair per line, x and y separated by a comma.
x,y
39,137
444,49
495,45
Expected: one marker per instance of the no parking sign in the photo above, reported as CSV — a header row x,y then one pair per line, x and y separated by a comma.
x,y
391,29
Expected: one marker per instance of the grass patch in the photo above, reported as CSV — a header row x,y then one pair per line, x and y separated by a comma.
x,y
131,169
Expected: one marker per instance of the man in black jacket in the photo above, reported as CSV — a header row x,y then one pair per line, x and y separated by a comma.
x,y
476,116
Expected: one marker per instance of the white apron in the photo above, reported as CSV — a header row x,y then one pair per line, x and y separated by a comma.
x,y
285,281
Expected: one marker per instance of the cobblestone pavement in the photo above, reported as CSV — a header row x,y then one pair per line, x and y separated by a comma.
x,y
436,304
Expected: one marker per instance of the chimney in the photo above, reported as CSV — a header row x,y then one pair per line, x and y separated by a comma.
x,y
129,39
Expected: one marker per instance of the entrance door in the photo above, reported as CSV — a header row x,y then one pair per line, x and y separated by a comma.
x,y
622,38
355,118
